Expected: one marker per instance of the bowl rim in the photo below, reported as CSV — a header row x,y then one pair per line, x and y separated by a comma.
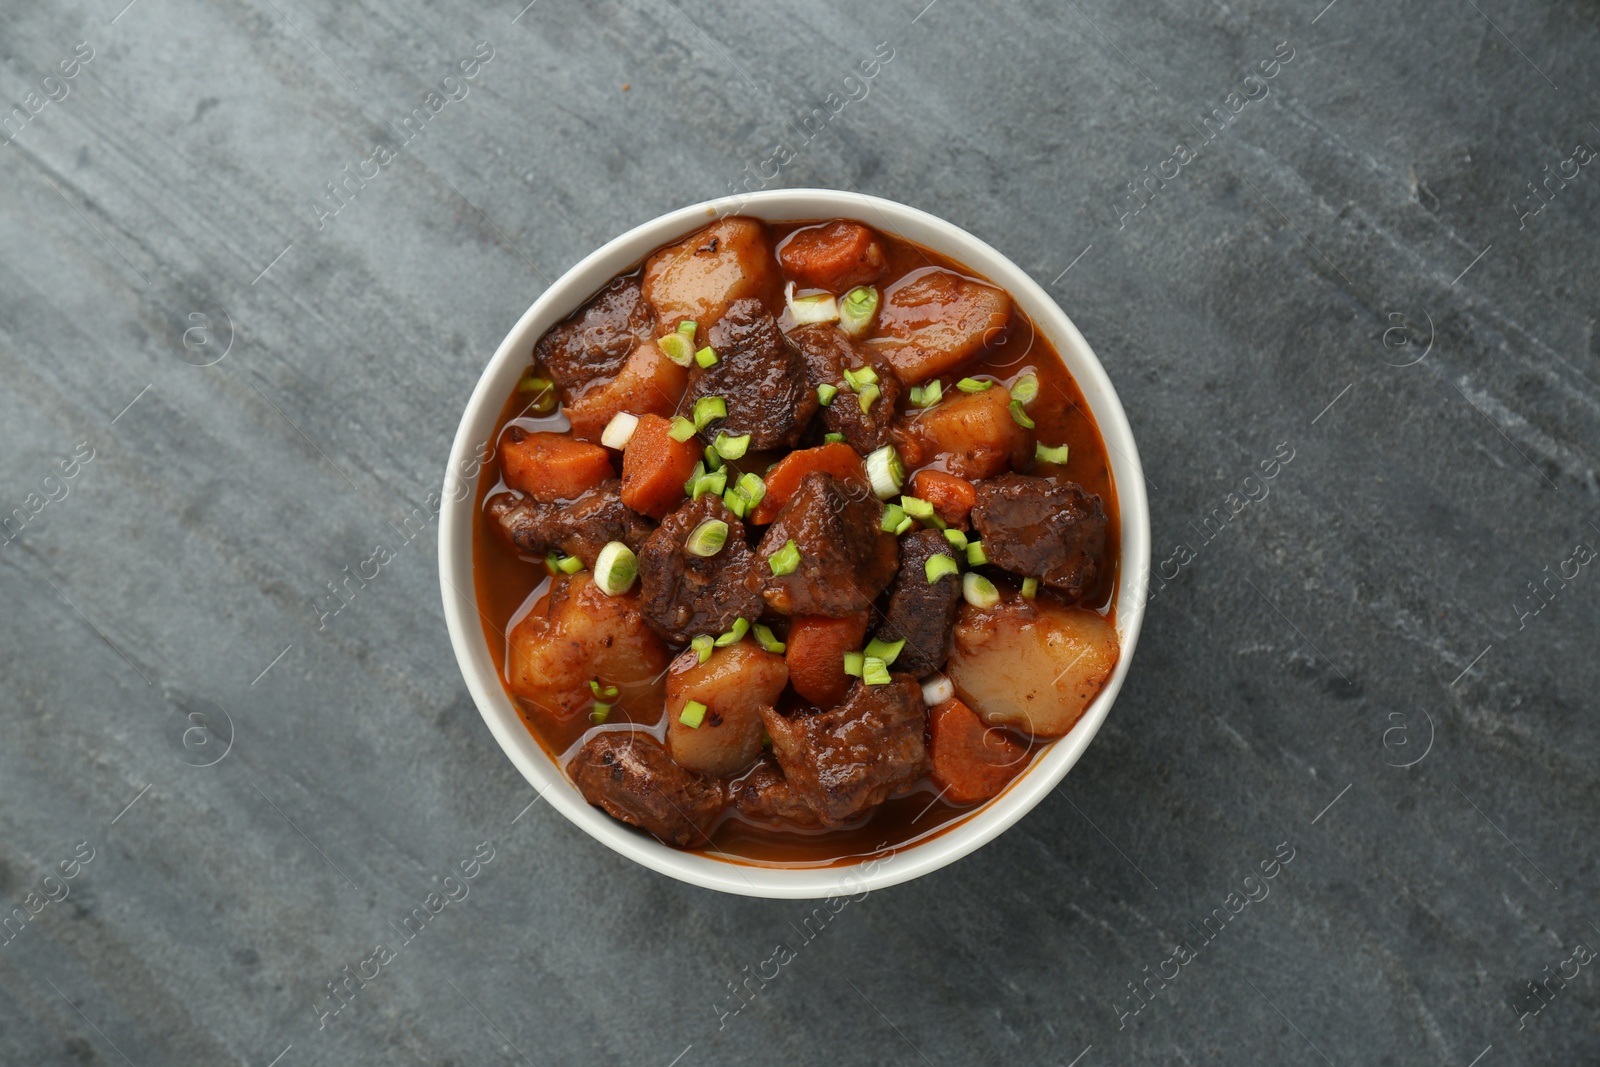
x,y
458,588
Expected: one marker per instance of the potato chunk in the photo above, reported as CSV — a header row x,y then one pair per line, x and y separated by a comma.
x,y
649,383
1031,665
699,277
933,320
576,633
974,432
733,684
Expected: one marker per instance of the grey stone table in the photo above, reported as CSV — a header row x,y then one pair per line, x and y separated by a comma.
x,y
235,339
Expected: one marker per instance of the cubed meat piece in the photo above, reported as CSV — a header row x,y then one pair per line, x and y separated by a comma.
x,y
629,776
1041,528
843,762
576,633
933,320
649,383
922,613
761,377
593,344
685,594
580,528
698,278
764,796
828,354
732,685
846,560
974,432
835,256
551,466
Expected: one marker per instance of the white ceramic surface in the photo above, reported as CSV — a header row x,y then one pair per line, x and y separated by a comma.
x,y
455,544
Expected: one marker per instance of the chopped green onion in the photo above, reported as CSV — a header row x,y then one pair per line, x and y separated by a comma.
x,y
616,569
708,408
714,482
874,671
978,590
765,638
826,393
544,393
732,447
938,566
1030,588
702,645
973,385
885,471
956,538
1019,416
551,559
925,396
619,431
905,524
916,507
707,538
735,501
678,348
893,516
682,429
712,459
856,310
818,307
687,327
833,438
741,626
693,714
694,476
936,689
1025,389
569,564
852,663
785,560
884,650
599,714
706,357
861,377
868,396
753,488
1046,454
608,692
976,556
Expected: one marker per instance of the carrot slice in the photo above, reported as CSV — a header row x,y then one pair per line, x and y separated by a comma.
x,y
648,383
551,466
833,256
654,467
950,496
837,458
971,762
815,655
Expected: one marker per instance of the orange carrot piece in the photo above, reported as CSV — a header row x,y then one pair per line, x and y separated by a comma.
x,y
815,654
836,457
551,466
654,467
833,256
971,761
950,496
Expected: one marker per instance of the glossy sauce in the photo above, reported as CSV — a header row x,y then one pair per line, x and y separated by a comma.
x,y
508,584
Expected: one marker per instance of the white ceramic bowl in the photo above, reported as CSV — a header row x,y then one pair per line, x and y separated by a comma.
x,y
455,544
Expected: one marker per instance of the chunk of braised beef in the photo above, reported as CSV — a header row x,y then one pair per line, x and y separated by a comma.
x,y
1042,528
763,795
595,342
630,776
580,527
842,762
828,354
759,374
846,560
922,613
685,594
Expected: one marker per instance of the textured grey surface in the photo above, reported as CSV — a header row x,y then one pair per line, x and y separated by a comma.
x,y
1373,607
